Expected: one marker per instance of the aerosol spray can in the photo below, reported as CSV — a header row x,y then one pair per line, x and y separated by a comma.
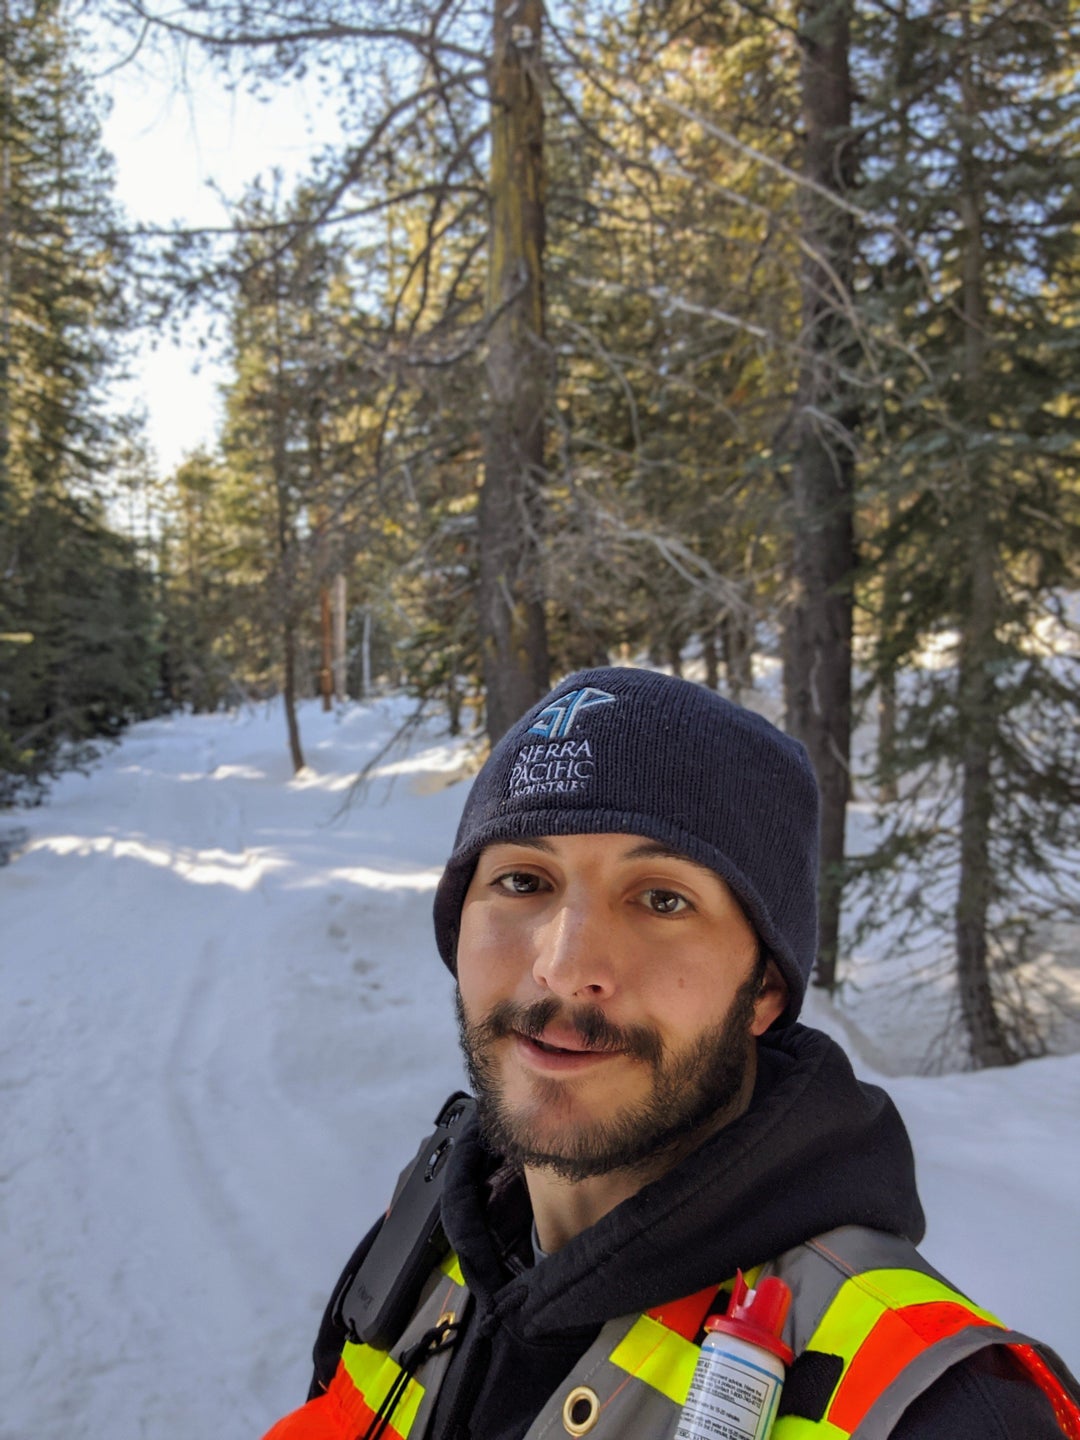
x,y
740,1372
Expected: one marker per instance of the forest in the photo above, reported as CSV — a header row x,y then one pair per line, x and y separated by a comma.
x,y
673,332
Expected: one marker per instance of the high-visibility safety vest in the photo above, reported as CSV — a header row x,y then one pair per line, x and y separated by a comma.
x,y
871,1324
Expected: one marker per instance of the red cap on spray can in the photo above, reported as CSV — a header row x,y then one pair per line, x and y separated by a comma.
x,y
757,1316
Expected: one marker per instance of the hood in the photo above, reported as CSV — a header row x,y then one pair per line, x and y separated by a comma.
x,y
815,1149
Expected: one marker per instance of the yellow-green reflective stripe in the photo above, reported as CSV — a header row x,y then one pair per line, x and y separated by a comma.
x,y
653,1353
909,1287
661,1357
795,1427
451,1268
862,1299
373,1372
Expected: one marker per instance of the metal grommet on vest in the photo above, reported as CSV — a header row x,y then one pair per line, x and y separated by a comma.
x,y
580,1411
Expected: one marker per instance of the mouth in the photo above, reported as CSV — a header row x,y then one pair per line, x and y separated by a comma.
x,y
560,1049
564,1052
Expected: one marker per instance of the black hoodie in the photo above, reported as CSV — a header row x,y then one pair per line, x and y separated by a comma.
x,y
816,1149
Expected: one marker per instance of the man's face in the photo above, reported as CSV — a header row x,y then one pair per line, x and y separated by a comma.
x,y
608,1000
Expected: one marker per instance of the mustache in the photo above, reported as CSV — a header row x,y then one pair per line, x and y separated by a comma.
x,y
588,1022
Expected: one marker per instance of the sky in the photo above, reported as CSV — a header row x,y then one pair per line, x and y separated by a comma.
x,y
175,136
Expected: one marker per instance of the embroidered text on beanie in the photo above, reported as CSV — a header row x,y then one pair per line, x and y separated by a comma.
x,y
636,752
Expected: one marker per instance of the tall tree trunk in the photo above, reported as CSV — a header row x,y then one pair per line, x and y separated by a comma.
x,y
6,230
904,78
673,643
976,703
288,641
818,642
888,790
513,631
976,699
710,657
326,635
737,636
891,602
339,596
365,657
286,536
454,698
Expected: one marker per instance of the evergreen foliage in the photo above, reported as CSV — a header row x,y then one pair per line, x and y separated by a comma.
x,y
77,649
975,444
202,601
742,351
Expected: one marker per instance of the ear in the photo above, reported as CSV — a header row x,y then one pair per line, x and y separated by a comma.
x,y
771,1001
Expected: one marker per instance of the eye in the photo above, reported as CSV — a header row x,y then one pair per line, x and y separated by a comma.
x,y
665,902
519,882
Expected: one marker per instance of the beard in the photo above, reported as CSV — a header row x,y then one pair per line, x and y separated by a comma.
x,y
693,1090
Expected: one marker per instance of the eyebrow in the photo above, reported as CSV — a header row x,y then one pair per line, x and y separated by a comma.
x,y
655,850
646,850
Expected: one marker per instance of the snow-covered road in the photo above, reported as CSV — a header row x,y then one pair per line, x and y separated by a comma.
x,y
224,1029
214,994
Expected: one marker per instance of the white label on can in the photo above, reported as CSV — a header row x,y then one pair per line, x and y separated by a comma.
x,y
730,1398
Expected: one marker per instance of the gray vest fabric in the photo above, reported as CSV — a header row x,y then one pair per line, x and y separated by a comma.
x,y
602,1399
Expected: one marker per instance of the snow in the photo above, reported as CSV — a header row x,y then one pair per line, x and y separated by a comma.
x,y
225,1029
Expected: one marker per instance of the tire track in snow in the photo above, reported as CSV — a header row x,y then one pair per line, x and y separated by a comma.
x,y
213,1121
192,1090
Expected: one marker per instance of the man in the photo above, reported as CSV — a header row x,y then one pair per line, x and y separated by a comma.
x,y
630,913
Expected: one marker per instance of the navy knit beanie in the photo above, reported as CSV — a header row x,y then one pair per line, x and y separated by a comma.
x,y
636,752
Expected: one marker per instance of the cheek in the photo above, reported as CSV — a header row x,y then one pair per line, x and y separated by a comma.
x,y
487,954
471,968
691,999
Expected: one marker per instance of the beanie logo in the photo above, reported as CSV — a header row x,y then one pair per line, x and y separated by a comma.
x,y
567,768
559,765
556,720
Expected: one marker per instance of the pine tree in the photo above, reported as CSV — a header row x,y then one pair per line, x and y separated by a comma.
x,y
977,448
817,650
673,307
69,588
512,618
277,443
201,612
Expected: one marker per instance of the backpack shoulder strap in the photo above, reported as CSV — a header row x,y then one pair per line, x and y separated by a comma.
x,y
410,1243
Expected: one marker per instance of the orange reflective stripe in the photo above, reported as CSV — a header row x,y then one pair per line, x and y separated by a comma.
x,y
893,1342
685,1316
341,1413
1065,1407
889,1346
936,1319
353,1411
314,1421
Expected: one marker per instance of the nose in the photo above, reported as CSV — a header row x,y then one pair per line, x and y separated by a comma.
x,y
574,958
